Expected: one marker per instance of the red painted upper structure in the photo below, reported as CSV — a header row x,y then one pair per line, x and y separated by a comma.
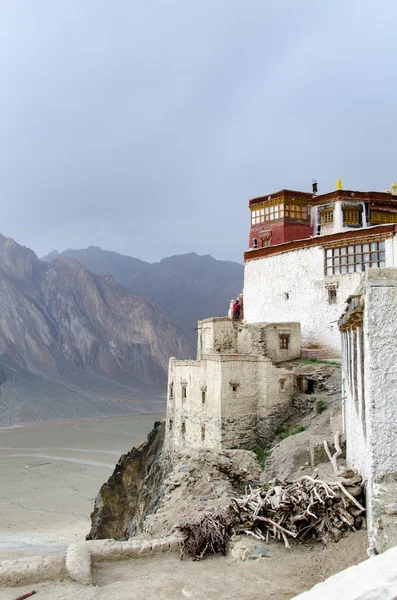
x,y
288,215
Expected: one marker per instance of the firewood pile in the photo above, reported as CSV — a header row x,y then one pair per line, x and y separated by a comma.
x,y
208,535
305,509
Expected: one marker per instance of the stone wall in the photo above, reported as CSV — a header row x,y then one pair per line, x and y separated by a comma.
x,y
198,407
232,396
274,406
225,336
217,335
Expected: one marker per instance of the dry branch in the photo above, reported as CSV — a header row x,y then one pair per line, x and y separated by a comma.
x,y
305,509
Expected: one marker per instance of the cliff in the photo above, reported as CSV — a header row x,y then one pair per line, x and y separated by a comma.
x,y
132,492
74,344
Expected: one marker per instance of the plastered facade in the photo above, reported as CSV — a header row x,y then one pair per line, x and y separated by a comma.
x,y
291,286
232,396
369,371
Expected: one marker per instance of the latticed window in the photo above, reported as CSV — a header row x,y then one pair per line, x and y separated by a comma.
x,y
354,258
351,216
296,211
326,217
284,340
267,213
382,216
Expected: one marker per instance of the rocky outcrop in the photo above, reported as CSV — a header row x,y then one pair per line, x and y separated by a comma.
x,y
132,492
150,493
76,345
201,480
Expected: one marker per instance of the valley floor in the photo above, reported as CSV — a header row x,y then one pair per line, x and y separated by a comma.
x,y
50,475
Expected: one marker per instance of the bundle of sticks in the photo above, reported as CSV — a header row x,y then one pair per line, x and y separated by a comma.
x,y
306,508
208,535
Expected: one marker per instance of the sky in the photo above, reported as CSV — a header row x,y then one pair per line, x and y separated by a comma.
x,y
145,126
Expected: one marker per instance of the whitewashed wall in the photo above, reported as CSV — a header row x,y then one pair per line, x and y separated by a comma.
x,y
371,421
292,287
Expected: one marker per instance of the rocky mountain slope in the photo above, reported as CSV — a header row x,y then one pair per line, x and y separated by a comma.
x,y
187,287
74,344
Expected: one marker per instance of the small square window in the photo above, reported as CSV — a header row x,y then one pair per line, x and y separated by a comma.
x,y
284,341
332,297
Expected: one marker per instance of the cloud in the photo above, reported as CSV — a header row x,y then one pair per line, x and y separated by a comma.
x,y
145,127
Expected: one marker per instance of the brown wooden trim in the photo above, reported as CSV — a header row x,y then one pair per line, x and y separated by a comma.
x,y
319,240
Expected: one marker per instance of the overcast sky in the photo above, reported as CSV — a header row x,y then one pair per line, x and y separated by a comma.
x,y
146,126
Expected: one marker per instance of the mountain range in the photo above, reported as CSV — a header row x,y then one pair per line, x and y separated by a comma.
x,y
187,287
76,344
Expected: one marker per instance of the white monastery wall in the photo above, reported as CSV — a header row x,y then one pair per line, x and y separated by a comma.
x,y
370,382
380,324
292,287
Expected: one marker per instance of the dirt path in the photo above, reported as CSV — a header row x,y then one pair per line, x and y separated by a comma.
x,y
164,577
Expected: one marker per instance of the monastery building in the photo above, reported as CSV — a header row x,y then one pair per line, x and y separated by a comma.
x,y
308,252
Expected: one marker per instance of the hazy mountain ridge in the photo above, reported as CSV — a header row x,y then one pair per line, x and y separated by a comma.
x,y
187,287
74,344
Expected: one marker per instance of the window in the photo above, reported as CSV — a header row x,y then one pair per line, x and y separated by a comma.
x,y
203,396
326,217
284,340
332,296
183,428
234,386
267,213
255,243
352,216
171,391
170,423
265,242
282,384
296,211
202,433
354,258
183,391
286,296
382,216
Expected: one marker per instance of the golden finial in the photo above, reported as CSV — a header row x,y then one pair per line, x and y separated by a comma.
x,y
394,188
339,184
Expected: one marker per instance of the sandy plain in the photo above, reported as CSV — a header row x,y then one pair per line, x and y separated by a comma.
x,y
50,475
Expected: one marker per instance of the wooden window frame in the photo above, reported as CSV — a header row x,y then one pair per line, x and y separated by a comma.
x,y
354,257
352,216
326,217
284,339
382,216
